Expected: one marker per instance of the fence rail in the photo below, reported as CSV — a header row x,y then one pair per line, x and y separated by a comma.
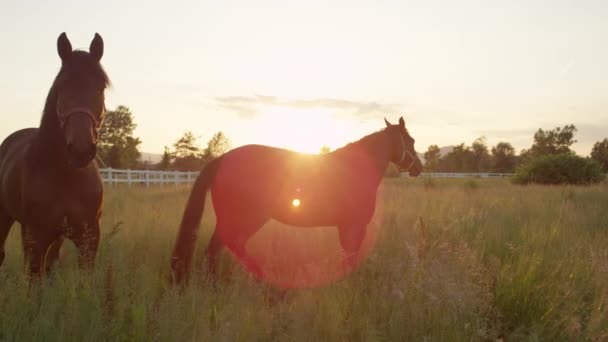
x,y
465,175
147,177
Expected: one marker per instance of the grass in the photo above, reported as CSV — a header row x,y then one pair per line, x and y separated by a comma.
x,y
454,260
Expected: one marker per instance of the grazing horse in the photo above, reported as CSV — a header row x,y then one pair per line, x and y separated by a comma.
x,y
252,184
49,181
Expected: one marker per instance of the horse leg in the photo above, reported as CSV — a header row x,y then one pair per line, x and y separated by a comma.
x,y
86,240
211,253
351,238
52,253
238,243
6,223
36,243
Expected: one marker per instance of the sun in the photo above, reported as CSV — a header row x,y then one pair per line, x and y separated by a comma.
x,y
304,130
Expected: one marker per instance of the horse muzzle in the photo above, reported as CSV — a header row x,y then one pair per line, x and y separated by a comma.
x,y
81,156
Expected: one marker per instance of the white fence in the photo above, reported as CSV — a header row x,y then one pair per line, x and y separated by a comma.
x,y
465,175
147,177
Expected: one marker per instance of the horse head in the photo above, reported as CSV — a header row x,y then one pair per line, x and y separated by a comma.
x,y
80,87
402,152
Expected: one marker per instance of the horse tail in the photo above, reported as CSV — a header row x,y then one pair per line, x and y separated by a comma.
x,y
186,238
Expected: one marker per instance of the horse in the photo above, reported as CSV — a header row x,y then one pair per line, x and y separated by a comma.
x,y
49,181
254,183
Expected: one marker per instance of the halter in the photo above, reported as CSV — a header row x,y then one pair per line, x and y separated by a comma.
x,y
406,153
64,117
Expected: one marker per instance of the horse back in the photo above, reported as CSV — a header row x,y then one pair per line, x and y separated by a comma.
x,y
265,179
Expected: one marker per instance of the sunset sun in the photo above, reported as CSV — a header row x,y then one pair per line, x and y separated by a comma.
x,y
301,129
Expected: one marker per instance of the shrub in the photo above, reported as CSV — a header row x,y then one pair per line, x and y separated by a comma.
x,y
566,168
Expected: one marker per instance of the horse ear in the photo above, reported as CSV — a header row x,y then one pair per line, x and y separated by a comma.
x,y
401,122
96,48
388,124
64,47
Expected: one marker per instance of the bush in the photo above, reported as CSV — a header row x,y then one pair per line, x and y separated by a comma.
x,y
566,168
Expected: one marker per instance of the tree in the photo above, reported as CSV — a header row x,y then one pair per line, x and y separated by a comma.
x,y
324,149
555,141
187,154
117,146
563,168
186,146
503,157
599,153
432,157
481,155
460,159
216,146
167,158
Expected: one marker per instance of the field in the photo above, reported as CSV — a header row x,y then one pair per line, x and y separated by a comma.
x,y
455,260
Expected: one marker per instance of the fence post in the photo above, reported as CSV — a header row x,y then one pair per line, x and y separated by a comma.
x,y
147,178
110,175
129,177
175,175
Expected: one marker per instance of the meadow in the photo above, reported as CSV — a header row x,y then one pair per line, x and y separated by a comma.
x,y
454,260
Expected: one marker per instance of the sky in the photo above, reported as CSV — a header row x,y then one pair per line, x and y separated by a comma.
x,y
303,74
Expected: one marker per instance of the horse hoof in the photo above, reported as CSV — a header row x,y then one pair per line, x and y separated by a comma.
x,y
1,257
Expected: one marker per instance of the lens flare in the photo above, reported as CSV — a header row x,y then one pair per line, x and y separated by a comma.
x,y
296,202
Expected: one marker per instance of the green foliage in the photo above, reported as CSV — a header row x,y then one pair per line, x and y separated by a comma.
x,y
460,159
431,158
481,156
216,146
503,158
599,153
555,141
117,147
166,160
186,146
187,155
477,156
565,168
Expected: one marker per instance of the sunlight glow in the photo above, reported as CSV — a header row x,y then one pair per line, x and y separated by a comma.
x,y
302,129
295,203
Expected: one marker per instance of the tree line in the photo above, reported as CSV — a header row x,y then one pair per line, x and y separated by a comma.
x,y
119,148
478,157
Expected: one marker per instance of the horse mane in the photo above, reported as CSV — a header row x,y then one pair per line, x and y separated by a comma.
x,y
368,140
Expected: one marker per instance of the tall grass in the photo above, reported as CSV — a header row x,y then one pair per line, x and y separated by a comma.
x,y
457,260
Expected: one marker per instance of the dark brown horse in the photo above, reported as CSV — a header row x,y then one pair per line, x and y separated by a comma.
x,y
49,181
252,184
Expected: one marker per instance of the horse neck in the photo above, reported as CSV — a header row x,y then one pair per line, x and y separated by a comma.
x,y
369,150
48,146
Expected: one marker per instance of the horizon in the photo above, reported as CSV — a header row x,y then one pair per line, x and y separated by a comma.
x,y
285,74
